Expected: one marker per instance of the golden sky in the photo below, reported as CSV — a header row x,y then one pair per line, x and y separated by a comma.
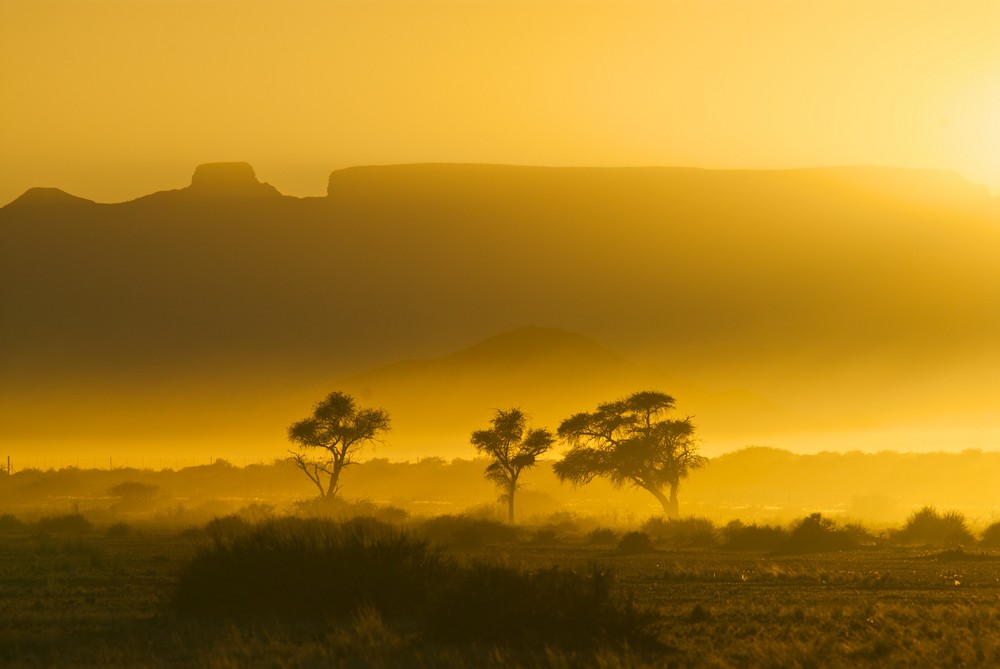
x,y
112,99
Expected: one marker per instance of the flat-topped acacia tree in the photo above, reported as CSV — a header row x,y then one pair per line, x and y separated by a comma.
x,y
512,447
330,439
631,442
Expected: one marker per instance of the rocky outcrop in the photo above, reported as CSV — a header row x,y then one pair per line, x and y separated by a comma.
x,y
229,180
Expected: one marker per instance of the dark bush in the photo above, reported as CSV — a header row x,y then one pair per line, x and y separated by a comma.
x,y
739,537
337,508
227,528
929,528
134,491
72,523
991,536
550,607
119,530
602,536
10,524
687,532
635,542
544,536
300,568
466,531
814,534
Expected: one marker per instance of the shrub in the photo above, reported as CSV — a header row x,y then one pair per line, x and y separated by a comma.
x,y
698,532
226,528
814,534
300,568
466,531
549,607
635,542
257,512
544,536
739,537
337,508
602,536
9,524
119,530
307,568
928,527
991,536
72,523
134,491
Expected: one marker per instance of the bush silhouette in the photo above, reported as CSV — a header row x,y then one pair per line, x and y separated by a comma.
x,y
635,542
466,531
337,508
120,530
134,491
739,537
10,524
814,534
602,536
695,532
554,607
300,568
991,536
929,528
72,523
295,568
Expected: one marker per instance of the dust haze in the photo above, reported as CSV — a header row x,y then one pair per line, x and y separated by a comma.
x,y
825,309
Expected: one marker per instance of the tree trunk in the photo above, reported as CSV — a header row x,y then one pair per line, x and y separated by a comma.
x,y
675,509
331,489
510,503
669,504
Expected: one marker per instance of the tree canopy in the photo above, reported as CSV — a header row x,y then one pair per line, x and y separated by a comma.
x,y
329,440
631,442
513,447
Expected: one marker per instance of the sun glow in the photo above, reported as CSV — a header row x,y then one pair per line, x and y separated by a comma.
x,y
973,133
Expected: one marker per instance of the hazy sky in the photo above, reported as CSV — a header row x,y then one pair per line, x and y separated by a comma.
x,y
111,99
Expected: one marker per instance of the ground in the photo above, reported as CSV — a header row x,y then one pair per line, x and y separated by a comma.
x,y
94,600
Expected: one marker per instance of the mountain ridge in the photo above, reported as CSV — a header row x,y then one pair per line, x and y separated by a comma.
x,y
791,285
238,179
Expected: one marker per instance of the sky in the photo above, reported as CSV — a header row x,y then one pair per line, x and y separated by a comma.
x,y
113,99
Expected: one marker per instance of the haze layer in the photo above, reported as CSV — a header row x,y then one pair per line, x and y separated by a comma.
x,y
768,303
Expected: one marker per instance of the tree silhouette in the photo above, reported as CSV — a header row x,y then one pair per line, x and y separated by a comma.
x,y
513,448
629,441
330,438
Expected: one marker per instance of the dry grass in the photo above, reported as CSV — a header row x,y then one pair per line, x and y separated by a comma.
x,y
101,601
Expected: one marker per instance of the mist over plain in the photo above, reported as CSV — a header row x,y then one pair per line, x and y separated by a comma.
x,y
822,309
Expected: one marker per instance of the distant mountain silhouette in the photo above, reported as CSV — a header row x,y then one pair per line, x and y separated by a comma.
x,y
845,286
532,348
46,198
548,372
225,182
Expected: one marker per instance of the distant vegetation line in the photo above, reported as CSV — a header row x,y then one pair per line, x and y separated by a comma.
x,y
112,463
756,484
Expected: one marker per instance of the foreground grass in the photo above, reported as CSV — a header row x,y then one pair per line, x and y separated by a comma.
x,y
99,601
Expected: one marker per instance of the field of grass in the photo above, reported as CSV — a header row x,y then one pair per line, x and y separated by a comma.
x,y
79,597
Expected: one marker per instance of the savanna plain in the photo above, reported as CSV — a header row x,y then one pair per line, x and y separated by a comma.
x,y
360,584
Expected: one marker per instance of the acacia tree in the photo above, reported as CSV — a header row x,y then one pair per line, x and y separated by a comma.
x,y
631,442
329,439
513,448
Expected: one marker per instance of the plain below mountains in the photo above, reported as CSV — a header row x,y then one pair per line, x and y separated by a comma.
x,y
855,295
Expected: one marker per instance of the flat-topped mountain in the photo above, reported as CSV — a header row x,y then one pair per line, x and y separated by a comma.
x,y
857,291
